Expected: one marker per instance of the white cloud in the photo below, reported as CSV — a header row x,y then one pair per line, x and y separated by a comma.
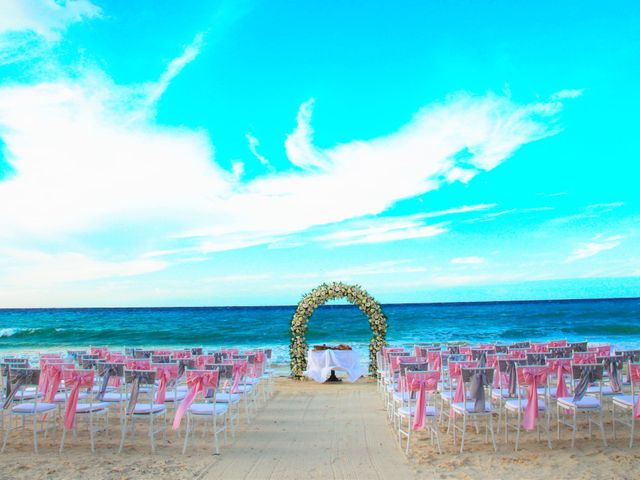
x,y
254,143
156,90
35,268
46,18
382,230
371,269
88,159
473,260
599,244
568,93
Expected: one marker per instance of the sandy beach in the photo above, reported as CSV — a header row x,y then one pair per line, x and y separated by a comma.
x,y
310,430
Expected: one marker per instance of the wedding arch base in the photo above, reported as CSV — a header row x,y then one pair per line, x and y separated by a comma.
x,y
321,295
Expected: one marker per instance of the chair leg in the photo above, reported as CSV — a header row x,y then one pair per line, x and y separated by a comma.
x,y
604,438
123,433
575,427
64,435
633,427
215,434
186,434
493,437
35,433
464,431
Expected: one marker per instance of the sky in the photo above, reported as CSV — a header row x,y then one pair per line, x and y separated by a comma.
x,y
162,153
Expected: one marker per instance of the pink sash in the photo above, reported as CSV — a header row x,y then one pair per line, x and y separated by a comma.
x,y
75,380
435,360
423,382
197,381
137,364
164,374
534,377
54,377
239,369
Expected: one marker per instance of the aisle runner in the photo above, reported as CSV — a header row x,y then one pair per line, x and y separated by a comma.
x,y
310,430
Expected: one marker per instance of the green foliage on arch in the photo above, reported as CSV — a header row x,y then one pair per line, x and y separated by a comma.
x,y
321,295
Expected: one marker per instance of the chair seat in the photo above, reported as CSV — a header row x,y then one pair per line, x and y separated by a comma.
x,y
208,408
244,388
115,397
147,408
34,407
28,394
469,406
61,398
606,390
91,407
513,405
448,395
585,402
625,401
252,381
401,397
406,411
227,397
172,396
97,388
500,393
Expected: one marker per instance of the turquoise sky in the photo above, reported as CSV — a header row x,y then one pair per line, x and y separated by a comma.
x,y
240,153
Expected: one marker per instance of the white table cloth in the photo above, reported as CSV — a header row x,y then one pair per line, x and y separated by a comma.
x,y
320,363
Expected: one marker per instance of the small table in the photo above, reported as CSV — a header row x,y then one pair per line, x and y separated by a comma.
x,y
320,364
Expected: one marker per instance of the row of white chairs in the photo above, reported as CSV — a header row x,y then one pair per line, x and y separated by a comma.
x,y
449,387
214,396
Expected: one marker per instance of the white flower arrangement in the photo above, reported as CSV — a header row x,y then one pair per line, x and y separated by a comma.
x,y
319,296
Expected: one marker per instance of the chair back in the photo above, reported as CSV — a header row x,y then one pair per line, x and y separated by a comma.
x,y
540,347
581,358
502,349
89,363
595,371
455,368
161,358
600,350
468,373
538,358
526,375
578,346
83,378
520,345
630,355
558,343
415,380
560,352
140,363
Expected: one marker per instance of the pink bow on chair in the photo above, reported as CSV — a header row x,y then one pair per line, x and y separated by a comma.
x,y
423,382
164,374
54,377
197,381
239,369
75,379
533,376
562,366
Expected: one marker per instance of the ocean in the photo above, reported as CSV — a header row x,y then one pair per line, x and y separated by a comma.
x,y
604,320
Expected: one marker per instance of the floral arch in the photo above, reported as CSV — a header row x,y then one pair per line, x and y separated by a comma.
x,y
321,295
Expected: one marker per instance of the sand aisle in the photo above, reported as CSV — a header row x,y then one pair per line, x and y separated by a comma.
x,y
316,431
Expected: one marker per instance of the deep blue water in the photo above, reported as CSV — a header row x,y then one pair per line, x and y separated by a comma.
x,y
616,321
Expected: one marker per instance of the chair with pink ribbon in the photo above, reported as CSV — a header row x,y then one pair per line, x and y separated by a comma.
x,y
401,397
527,410
224,393
96,413
168,391
626,408
474,406
420,387
142,383
202,385
21,406
583,405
